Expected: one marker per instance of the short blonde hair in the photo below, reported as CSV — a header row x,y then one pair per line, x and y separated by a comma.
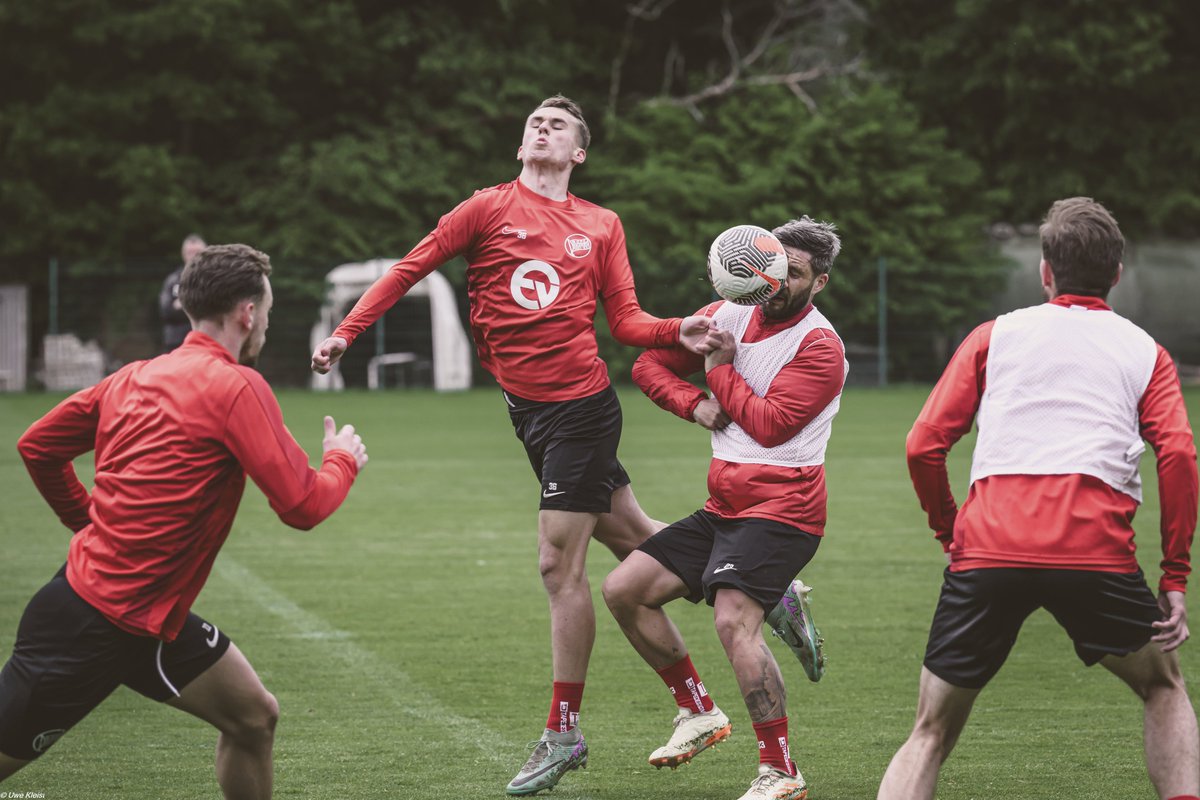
x,y
571,107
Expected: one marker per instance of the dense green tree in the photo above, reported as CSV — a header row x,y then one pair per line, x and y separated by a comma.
x,y
318,130
326,131
863,161
303,126
1059,99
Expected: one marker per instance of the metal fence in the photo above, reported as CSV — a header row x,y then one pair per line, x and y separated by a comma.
x,y
89,319
92,318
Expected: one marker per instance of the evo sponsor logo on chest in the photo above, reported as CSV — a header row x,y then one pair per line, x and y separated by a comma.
x,y
534,285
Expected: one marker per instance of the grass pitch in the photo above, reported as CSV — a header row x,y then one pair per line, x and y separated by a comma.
x,y
407,637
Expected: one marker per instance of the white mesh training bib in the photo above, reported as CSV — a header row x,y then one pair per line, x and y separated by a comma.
x,y
758,363
1063,387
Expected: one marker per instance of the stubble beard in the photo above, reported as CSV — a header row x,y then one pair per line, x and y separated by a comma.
x,y
249,357
791,308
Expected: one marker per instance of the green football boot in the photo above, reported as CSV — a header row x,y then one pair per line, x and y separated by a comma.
x,y
553,756
792,621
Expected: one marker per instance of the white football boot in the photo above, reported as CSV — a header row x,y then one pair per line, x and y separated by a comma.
x,y
693,733
772,784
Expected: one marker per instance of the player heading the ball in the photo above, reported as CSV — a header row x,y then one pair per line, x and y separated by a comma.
x,y
747,265
539,259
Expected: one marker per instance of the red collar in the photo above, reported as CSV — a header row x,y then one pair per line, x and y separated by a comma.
x,y
206,342
763,322
1081,301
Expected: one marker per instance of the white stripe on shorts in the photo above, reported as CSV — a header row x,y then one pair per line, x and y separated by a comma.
x,y
161,674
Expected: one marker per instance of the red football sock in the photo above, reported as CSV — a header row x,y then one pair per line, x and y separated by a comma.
x,y
564,706
1185,797
684,683
773,745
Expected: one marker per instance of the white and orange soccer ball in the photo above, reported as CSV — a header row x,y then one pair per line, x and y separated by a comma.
x,y
747,265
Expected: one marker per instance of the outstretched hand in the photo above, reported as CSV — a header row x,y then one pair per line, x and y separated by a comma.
x,y
345,439
327,354
1172,631
692,333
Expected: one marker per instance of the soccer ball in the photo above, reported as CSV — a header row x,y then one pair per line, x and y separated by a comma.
x,y
747,265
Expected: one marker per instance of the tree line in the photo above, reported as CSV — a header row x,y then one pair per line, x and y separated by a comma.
x,y
331,131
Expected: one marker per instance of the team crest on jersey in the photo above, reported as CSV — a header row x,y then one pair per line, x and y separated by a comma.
x,y
534,285
577,245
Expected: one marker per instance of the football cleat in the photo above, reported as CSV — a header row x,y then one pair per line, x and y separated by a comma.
x,y
553,756
773,784
693,733
791,620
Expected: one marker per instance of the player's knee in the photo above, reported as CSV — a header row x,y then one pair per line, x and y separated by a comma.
x,y
737,617
1156,676
1160,683
620,593
735,629
727,629
558,573
550,565
935,736
256,723
550,560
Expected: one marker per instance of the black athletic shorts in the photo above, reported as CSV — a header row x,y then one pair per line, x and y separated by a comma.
x,y
572,447
758,557
68,657
981,611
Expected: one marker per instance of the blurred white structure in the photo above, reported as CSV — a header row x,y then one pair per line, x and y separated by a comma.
x,y
14,337
451,345
70,364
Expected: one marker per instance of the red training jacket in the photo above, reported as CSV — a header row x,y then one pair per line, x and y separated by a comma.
x,y
535,267
174,438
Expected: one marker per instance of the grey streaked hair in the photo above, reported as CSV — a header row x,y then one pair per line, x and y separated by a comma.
x,y
818,239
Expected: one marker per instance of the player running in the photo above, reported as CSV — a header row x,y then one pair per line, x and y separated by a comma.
x,y
1063,394
175,438
776,373
538,258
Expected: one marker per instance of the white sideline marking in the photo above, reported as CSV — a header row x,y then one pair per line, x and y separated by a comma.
x,y
388,681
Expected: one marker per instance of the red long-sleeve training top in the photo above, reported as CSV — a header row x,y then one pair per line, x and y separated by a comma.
x,y
535,267
1052,521
174,438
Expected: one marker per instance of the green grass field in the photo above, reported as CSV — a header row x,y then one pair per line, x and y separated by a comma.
x,y
407,637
